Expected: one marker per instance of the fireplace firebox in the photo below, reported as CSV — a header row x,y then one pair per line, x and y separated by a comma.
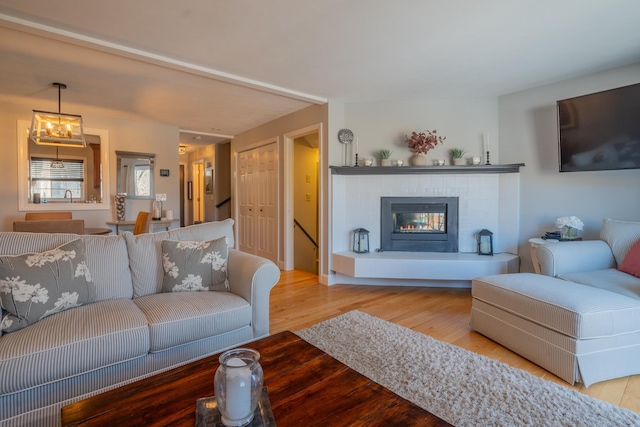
x,y
419,224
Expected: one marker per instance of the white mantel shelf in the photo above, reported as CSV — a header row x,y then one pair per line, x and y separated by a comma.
x,y
429,266
409,170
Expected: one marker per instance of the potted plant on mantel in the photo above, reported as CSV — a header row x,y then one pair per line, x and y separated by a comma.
x,y
456,156
384,155
421,143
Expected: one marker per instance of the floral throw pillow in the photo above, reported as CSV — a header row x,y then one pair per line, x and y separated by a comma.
x,y
36,285
195,266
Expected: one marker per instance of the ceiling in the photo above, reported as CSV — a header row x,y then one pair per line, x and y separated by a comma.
x,y
219,68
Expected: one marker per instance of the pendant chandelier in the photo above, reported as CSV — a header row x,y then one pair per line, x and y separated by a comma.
x,y
57,163
58,129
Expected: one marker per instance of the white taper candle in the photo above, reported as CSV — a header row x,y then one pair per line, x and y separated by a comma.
x,y
238,397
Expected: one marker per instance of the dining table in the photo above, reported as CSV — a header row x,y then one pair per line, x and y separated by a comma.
x,y
97,230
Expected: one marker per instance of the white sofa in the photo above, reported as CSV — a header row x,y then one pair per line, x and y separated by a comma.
x,y
580,319
133,329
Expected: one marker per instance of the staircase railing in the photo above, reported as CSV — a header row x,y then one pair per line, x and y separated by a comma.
x,y
295,222
227,200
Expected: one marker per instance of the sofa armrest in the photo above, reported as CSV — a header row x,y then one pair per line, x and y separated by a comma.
x,y
574,257
252,278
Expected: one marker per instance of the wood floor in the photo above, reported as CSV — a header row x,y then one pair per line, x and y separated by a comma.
x,y
299,301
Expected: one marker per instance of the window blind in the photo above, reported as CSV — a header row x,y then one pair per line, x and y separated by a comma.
x,y
41,170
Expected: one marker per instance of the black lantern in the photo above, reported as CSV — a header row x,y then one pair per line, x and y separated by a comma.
x,y
361,241
485,242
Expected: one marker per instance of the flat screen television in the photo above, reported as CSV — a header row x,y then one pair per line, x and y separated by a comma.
x,y
600,131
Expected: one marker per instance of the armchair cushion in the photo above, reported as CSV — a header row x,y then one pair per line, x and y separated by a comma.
x,y
620,236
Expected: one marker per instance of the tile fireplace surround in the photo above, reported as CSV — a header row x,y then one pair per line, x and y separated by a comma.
x,y
488,197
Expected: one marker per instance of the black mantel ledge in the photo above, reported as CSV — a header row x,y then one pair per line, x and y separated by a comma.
x,y
409,170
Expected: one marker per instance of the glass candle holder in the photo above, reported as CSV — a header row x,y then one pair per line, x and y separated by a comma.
x,y
238,385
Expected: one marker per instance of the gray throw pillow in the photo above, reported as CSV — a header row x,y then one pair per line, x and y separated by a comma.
x,y
195,266
36,285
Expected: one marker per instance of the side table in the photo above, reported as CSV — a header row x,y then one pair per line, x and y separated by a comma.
x,y
535,242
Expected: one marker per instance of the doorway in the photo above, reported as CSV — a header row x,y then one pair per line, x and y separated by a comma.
x,y
198,192
182,195
305,203
303,195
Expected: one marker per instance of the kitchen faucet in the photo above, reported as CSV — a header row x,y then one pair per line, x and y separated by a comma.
x,y
70,195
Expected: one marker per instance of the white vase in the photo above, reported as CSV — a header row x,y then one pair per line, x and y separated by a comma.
x,y
459,162
419,159
385,162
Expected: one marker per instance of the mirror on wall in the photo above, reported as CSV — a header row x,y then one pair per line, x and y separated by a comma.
x,y
135,174
50,176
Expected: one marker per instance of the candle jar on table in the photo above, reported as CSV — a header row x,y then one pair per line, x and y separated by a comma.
x,y
238,385
156,210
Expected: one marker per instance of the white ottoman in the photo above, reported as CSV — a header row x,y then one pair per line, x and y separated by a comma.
x,y
579,333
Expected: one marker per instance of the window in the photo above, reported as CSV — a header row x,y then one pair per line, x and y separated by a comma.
x,y
53,182
142,180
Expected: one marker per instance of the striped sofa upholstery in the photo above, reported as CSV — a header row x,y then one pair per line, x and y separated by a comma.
x,y
132,330
580,320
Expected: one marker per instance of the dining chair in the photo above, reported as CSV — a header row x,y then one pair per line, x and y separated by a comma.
x,y
143,221
40,216
75,226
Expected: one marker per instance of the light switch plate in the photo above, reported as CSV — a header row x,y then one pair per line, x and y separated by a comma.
x,y
161,197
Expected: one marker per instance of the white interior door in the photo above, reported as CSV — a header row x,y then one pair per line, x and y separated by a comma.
x,y
258,201
267,202
246,202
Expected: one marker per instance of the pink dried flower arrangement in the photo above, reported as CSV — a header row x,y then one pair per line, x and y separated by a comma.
x,y
424,141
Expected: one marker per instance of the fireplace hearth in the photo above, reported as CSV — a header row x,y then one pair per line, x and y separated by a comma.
x,y
419,224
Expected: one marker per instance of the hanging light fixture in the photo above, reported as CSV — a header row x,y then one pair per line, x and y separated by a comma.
x,y
182,149
59,129
57,163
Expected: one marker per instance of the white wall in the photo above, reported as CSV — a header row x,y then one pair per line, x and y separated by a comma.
x,y
528,132
385,125
124,135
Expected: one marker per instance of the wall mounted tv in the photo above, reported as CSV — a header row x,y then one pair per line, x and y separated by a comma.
x,y
600,131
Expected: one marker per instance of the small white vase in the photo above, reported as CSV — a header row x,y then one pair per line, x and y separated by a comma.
x,y
385,162
459,162
419,159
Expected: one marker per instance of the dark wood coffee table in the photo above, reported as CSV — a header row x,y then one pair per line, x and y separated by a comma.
x,y
307,387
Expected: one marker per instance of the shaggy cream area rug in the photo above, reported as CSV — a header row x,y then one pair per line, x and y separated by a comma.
x,y
461,387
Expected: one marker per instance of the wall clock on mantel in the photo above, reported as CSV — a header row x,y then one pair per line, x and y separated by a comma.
x,y
345,136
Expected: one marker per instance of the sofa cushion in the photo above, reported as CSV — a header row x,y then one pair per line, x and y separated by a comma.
x,y
107,258
195,266
610,279
145,252
37,285
177,318
572,309
620,236
631,262
71,343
